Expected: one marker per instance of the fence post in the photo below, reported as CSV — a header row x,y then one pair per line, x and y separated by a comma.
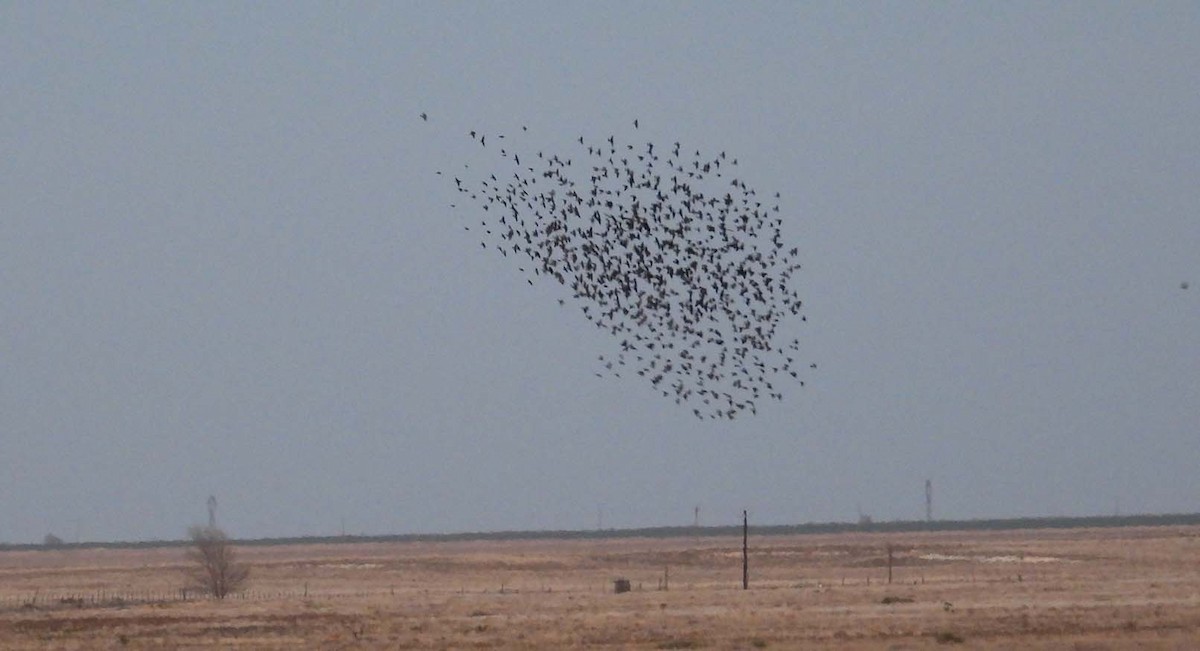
x,y
889,550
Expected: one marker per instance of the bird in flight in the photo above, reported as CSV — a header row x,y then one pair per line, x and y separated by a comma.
x,y
424,117
687,271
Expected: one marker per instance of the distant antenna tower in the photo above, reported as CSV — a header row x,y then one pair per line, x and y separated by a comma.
x,y
929,500
212,511
696,522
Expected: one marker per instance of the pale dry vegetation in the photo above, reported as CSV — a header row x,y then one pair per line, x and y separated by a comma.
x,y
1077,589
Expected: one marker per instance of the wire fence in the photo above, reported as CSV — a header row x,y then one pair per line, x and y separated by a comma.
x,y
40,600
50,600
64,600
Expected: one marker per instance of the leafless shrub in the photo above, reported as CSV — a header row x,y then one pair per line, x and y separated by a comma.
x,y
948,637
215,569
356,628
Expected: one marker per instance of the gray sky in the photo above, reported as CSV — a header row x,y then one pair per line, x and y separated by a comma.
x,y
227,266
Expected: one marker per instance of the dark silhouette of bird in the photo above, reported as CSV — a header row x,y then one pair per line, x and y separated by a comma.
x,y
686,268
424,117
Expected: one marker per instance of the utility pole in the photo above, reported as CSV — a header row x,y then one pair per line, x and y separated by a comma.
x,y
212,511
696,521
745,550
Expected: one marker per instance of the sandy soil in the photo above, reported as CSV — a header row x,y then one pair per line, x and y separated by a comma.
x,y
1092,589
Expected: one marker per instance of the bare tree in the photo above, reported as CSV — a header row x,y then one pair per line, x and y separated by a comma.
x,y
215,570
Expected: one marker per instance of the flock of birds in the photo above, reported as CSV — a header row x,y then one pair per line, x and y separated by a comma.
x,y
672,253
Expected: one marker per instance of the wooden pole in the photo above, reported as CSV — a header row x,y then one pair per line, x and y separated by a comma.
x,y
745,551
889,548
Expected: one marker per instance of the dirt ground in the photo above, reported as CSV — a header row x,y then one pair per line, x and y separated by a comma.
x,y
1092,589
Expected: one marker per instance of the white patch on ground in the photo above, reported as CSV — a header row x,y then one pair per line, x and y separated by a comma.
x,y
993,559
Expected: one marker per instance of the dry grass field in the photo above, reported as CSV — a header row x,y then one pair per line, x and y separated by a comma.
x,y
1089,589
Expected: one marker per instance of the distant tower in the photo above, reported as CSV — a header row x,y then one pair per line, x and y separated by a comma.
x,y
929,500
696,522
212,511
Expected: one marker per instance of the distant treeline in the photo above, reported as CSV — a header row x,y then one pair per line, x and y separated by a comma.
x,y
1002,524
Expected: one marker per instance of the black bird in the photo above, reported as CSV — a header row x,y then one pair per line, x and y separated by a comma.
x,y
424,117
687,272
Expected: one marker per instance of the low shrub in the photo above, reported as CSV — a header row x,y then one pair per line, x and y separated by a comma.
x,y
682,643
948,637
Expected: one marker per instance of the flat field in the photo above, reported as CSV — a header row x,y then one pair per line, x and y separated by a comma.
x,y
1095,589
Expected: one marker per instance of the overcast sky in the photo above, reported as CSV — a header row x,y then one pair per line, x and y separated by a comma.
x,y
227,265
